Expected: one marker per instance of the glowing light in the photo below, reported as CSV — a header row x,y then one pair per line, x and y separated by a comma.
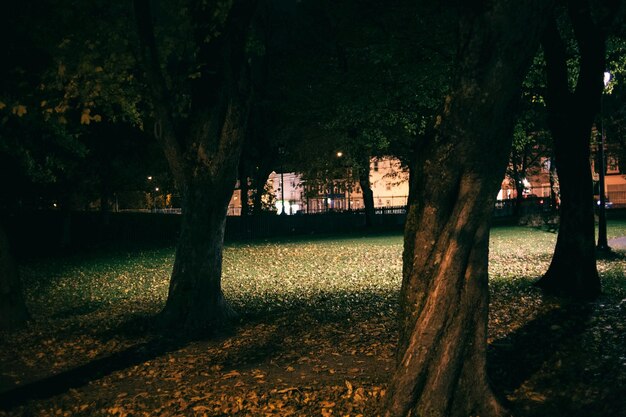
x,y
607,78
339,154
156,189
289,209
149,178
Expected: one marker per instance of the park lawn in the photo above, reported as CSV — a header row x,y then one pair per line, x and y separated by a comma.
x,y
316,334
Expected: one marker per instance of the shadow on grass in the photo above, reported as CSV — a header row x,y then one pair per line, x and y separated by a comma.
x,y
615,254
80,310
516,357
160,343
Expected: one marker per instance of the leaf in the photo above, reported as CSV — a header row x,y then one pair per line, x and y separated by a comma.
x,y
231,374
19,110
201,408
84,117
349,386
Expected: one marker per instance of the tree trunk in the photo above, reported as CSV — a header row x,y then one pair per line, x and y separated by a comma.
x,y
203,157
243,189
260,179
554,195
573,270
519,192
195,300
368,195
444,297
13,312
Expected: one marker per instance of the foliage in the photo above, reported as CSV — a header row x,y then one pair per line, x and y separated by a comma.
x,y
317,335
361,80
68,67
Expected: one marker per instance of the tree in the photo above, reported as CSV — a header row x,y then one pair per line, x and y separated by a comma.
x,y
357,77
529,153
32,151
456,177
202,144
571,114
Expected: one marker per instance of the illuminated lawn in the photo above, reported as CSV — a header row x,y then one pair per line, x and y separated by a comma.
x,y
317,333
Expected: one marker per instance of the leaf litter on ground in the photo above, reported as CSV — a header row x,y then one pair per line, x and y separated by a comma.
x,y
316,338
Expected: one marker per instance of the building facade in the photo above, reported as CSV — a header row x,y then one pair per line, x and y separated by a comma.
x,y
389,182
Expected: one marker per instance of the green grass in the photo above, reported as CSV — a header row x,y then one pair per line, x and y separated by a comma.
x,y
277,275
328,301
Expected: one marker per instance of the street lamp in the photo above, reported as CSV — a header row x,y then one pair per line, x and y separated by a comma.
x,y
603,244
347,180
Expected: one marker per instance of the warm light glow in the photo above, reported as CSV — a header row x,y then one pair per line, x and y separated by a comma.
x,y
607,78
149,177
156,189
339,154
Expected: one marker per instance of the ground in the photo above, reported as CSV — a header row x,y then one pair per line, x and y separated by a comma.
x,y
316,335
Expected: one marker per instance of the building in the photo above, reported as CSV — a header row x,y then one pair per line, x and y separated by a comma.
x,y
389,182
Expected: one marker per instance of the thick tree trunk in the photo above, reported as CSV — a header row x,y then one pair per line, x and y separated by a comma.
x,y
573,270
368,194
204,161
444,297
195,300
13,312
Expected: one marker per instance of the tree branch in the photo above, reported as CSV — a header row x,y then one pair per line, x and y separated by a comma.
x,y
556,65
591,40
165,133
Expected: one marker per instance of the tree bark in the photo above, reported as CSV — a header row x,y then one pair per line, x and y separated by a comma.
x,y
195,300
444,297
203,158
573,270
13,312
